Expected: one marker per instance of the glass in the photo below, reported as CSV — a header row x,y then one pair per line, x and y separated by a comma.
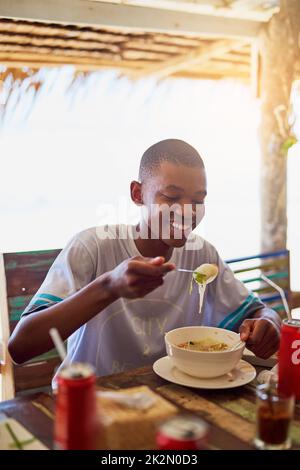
x,y
274,413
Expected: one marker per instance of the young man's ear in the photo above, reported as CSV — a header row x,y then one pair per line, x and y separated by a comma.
x,y
136,193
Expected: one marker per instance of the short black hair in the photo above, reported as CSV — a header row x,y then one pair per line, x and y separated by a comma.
x,y
170,150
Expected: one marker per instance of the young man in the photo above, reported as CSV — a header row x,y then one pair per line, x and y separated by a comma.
x,y
114,291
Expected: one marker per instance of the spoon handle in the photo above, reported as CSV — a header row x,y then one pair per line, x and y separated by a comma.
x,y
184,270
237,345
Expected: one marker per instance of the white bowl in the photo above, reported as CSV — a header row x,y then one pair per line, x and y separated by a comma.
x,y
199,363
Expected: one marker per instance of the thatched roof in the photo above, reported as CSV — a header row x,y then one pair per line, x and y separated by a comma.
x,y
139,37
91,40
88,48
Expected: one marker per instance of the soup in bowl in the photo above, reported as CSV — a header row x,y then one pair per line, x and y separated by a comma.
x,y
203,351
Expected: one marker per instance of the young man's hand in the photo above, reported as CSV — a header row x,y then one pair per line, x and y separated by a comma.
x,y
262,336
137,276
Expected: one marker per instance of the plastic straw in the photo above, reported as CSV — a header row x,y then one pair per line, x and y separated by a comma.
x,y
58,343
282,294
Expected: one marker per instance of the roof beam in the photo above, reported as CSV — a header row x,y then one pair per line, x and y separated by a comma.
x,y
129,17
250,9
197,56
255,70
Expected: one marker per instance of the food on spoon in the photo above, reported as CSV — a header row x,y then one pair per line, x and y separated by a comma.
x,y
203,275
199,277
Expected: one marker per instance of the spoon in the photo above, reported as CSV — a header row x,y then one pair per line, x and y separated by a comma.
x,y
237,345
209,270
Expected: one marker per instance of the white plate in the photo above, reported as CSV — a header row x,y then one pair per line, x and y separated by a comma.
x,y
242,374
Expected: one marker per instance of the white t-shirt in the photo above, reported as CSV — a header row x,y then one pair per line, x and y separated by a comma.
x,y
130,332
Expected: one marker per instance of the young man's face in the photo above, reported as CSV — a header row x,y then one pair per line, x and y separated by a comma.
x,y
174,201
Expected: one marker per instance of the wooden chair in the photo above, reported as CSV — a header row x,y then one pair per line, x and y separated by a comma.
x,y
21,274
275,266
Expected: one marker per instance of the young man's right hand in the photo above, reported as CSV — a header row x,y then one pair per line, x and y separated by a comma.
x,y
137,276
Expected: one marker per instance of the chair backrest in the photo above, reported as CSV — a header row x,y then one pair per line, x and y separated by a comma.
x,y
23,274
275,266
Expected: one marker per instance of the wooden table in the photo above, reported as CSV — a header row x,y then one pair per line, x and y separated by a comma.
x,y
230,413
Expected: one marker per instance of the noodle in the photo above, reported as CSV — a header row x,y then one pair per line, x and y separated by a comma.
x,y
205,345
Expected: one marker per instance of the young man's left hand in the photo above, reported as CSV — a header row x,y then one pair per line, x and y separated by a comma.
x,y
262,336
